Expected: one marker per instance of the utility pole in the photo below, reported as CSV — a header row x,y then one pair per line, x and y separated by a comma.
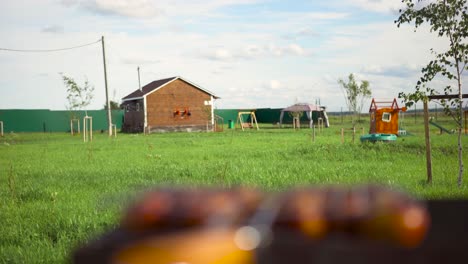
x,y
139,84
109,117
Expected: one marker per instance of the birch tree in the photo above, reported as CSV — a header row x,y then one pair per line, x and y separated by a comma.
x,y
78,96
355,94
447,19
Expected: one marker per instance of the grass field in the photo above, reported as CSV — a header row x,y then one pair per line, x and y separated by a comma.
x,y
56,191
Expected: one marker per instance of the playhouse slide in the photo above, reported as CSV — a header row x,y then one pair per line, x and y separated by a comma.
x,y
440,127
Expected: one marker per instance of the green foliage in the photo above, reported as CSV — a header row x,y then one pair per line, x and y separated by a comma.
x,y
355,94
448,19
78,96
113,105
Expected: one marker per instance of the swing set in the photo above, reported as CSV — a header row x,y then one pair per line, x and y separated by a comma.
x,y
246,124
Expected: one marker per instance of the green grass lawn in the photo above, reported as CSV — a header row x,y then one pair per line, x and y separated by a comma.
x,y
56,191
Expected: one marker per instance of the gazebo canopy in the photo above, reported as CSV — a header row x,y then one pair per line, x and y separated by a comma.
x,y
302,107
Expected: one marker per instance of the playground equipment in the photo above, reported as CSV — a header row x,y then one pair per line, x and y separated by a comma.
x,y
308,109
401,128
87,129
378,137
426,129
245,124
384,116
442,129
384,123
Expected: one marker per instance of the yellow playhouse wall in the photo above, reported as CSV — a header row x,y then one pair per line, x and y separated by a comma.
x,y
386,127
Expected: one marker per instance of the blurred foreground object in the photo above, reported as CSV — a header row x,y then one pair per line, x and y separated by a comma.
x,y
320,225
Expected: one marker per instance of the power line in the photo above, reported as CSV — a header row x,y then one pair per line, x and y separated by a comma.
x,y
51,50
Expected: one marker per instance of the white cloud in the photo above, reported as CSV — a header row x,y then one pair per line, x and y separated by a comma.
x,y
250,52
382,6
152,8
288,50
217,54
253,51
132,8
69,3
53,29
212,4
295,50
395,70
306,32
344,42
325,15
273,85
138,60
221,54
129,8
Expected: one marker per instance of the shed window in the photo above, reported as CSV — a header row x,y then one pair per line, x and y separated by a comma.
x,y
138,107
386,117
127,107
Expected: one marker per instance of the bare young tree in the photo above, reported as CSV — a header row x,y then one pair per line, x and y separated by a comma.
x,y
78,96
355,94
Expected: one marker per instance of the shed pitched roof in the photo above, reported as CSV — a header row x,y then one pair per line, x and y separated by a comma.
x,y
155,85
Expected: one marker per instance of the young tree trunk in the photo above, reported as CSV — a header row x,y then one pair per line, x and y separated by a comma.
x,y
460,158
427,137
459,123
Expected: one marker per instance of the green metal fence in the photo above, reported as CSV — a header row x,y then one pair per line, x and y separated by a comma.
x,y
43,120
264,115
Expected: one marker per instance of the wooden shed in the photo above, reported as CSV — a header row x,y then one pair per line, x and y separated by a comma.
x,y
171,104
384,116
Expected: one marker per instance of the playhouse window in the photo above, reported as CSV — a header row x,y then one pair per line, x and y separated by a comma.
x,y
386,117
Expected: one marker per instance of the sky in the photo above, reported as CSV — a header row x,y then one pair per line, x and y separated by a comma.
x,y
251,53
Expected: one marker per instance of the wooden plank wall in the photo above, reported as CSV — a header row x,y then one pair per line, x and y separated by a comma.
x,y
133,120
